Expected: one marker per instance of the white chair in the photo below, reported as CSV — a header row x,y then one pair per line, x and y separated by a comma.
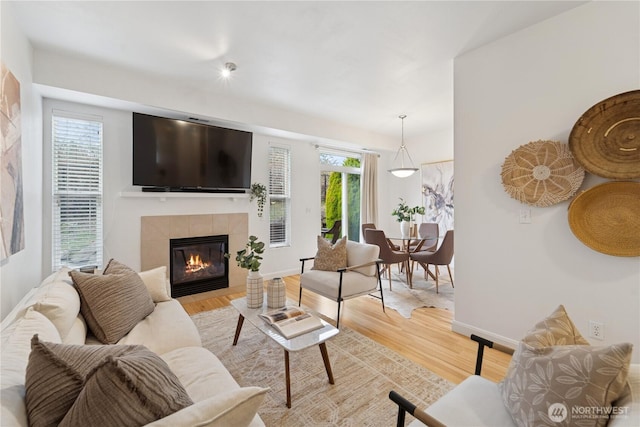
x,y
360,277
477,402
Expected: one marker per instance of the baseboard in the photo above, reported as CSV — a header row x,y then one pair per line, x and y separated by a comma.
x,y
467,330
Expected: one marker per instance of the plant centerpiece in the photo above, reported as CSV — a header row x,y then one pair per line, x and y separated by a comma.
x,y
250,258
404,215
258,191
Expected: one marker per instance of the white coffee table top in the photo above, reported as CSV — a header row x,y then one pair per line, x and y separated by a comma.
x,y
298,343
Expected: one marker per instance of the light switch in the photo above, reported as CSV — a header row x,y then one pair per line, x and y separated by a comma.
x,y
525,216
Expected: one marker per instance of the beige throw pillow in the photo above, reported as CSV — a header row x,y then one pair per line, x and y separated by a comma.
x,y
555,329
133,389
55,376
232,408
554,369
112,304
330,257
156,282
565,385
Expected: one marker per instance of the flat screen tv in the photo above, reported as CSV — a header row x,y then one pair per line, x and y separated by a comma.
x,y
176,155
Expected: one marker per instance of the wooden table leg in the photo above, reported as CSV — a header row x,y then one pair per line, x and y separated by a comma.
x,y
327,363
238,329
288,377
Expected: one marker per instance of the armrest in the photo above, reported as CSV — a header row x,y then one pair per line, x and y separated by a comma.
x,y
355,267
405,406
482,343
302,260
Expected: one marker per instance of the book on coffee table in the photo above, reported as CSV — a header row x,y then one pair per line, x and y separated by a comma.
x,y
291,321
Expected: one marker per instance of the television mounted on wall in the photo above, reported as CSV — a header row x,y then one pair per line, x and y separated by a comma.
x,y
177,155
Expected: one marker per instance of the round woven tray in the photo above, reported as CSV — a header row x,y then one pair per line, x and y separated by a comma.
x,y
606,218
541,173
606,139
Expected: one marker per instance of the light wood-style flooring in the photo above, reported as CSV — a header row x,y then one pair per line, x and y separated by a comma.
x,y
426,338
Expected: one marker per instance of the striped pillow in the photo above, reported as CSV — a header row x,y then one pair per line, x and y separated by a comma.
x,y
112,304
133,390
55,376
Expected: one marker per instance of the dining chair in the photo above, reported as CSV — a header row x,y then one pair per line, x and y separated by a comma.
x,y
429,232
369,226
335,231
442,256
388,255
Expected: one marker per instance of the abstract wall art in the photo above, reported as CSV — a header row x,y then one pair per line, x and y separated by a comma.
x,y
11,196
437,193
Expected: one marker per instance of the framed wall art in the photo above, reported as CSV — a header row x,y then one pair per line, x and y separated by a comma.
x,y
11,208
437,193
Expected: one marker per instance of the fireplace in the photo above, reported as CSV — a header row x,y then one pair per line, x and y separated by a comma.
x,y
197,264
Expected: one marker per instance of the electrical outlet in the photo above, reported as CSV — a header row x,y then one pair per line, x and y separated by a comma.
x,y
525,216
596,330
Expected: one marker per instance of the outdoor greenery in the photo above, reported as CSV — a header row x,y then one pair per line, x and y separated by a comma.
x,y
249,257
405,213
333,201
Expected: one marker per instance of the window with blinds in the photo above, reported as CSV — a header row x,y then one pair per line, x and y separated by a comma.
x,y
77,192
279,196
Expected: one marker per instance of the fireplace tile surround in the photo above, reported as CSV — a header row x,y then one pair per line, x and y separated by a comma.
x,y
156,231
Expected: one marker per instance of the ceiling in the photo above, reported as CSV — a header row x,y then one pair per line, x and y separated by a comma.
x,y
359,63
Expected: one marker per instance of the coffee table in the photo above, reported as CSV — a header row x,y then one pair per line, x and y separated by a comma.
x,y
301,342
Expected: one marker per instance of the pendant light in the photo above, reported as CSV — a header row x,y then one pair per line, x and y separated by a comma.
x,y
402,171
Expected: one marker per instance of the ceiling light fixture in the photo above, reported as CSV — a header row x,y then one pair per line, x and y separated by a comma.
x,y
228,68
402,171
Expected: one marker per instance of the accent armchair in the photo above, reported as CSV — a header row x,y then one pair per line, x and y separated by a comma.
x,y
361,276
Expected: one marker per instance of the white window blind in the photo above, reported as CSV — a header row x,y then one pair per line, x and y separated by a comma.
x,y
279,196
77,192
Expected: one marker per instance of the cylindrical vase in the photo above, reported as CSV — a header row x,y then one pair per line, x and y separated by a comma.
x,y
255,290
276,293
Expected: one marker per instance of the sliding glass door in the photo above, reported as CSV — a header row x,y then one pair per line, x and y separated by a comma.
x,y
340,193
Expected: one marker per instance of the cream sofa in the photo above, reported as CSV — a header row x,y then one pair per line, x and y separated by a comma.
x,y
52,311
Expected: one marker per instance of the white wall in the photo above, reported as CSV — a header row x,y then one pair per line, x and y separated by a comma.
x,y
21,271
534,85
122,214
429,148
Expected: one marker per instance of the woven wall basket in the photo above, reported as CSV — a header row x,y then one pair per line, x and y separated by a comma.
x,y
541,173
606,218
606,139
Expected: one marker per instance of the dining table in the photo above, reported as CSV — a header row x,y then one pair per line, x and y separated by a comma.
x,y
412,244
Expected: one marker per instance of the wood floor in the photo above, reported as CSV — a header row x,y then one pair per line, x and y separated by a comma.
x,y
426,338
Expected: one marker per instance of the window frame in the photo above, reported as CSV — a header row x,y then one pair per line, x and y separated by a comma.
x,y
77,185
282,195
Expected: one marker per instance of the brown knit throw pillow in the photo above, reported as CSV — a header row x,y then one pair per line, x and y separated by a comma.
x,y
112,304
133,389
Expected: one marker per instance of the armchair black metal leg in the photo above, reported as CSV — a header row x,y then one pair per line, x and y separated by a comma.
x,y
338,318
380,284
300,297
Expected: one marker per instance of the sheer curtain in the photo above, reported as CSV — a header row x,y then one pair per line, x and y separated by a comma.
x,y
369,193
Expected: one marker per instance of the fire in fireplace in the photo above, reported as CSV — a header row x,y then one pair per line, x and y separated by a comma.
x,y
198,264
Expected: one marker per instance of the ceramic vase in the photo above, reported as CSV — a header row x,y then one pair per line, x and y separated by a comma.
x,y
255,290
276,293
405,229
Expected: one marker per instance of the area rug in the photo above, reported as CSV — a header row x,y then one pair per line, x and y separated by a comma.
x,y
364,373
404,299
